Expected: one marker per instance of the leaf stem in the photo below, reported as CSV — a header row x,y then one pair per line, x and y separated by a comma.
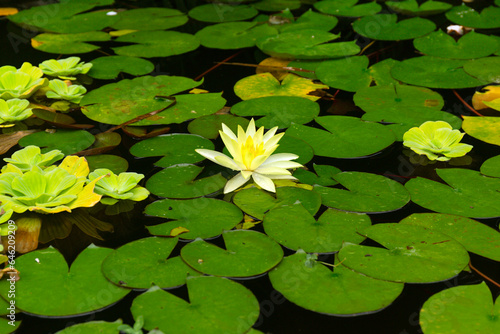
x,y
217,65
483,275
465,103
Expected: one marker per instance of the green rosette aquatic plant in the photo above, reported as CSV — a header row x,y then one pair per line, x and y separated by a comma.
x,y
118,187
20,83
14,110
65,91
5,214
31,156
66,68
437,140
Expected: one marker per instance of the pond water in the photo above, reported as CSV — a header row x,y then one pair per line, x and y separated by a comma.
x,y
394,161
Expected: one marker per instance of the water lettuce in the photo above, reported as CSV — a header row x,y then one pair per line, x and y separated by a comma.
x,y
65,68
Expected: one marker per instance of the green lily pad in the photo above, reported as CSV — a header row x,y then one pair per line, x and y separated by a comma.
x,y
435,72
411,7
178,181
64,291
69,43
277,5
471,45
216,305
485,69
347,8
347,137
8,326
110,67
80,23
297,146
247,253
306,44
233,35
150,19
92,327
296,228
323,177
491,167
352,73
483,128
203,217
311,20
151,44
218,12
384,27
280,111
144,263
366,192
413,254
176,148
488,18
257,203
462,310
67,141
474,236
467,194
114,163
342,292
209,126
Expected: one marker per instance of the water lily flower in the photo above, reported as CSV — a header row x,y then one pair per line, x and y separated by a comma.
x,y
14,110
65,68
61,90
118,187
31,156
252,156
20,83
437,140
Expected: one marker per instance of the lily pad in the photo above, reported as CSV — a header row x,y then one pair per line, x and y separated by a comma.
x,y
485,69
114,163
462,310
203,217
366,192
469,46
92,327
150,19
67,141
347,137
247,253
277,5
411,7
486,129
413,254
265,84
296,146
176,148
216,305
296,228
311,20
468,193
178,181
306,44
144,263
280,111
65,291
209,126
491,167
384,27
257,203
313,286
110,67
69,43
488,18
435,72
347,8
151,44
233,35
218,12
474,236
323,177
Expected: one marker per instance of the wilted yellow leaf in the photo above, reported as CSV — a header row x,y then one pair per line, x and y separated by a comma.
x,y
8,11
35,44
178,230
273,62
118,33
75,165
486,129
491,93
198,91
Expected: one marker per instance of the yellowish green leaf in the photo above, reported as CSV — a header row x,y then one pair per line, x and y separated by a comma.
x,y
486,129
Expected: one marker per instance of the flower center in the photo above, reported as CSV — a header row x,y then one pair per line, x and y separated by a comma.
x,y
250,151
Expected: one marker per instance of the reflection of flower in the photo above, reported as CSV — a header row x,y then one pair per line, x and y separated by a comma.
x,y
118,187
251,153
14,110
60,90
20,83
437,140
65,68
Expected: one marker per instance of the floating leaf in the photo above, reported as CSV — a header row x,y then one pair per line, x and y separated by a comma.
x,y
218,12
413,254
411,7
347,137
247,253
347,8
143,263
112,162
92,327
280,111
110,67
9,140
384,27
203,217
277,5
150,19
485,69
311,20
64,292
176,148
233,35
488,18
323,177
69,43
341,292
486,129
67,141
296,146
469,193
474,236
151,44
209,126
178,181
491,167
366,192
216,305
265,84
488,94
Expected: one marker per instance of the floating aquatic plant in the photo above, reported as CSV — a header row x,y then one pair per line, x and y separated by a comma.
x,y
437,140
118,187
31,156
64,90
14,110
5,214
20,83
251,151
65,68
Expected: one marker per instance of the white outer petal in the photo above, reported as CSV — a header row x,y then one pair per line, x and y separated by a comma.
x,y
280,157
234,183
282,164
228,132
272,171
211,155
269,134
264,182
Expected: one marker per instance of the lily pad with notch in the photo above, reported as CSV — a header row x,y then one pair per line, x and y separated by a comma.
x,y
233,35
348,8
484,69
150,19
219,12
311,20
110,67
69,43
412,7
277,5
488,18
323,175
296,146
385,27
209,126
67,141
